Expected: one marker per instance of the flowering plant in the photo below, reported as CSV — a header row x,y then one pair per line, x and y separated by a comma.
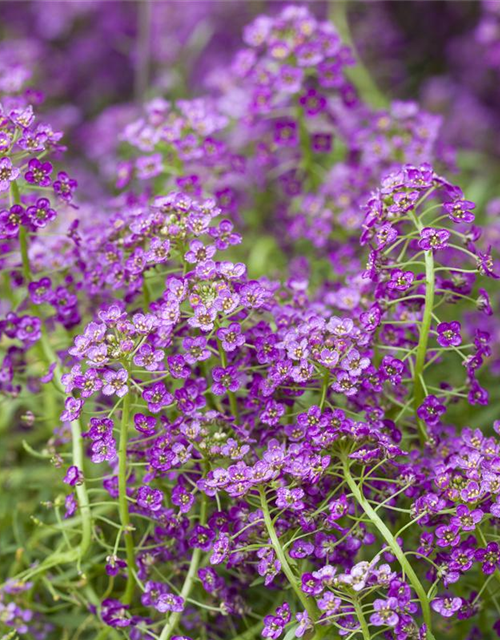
x,y
247,352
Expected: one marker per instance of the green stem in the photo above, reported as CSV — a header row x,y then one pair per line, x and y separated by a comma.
x,y
393,545
419,392
358,73
187,587
324,390
48,355
123,502
285,567
23,245
361,619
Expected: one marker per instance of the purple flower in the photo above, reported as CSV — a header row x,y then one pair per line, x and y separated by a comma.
x,y
273,627
115,614
460,210
10,221
286,133
41,213
40,290
489,558
400,280
196,349
447,535
73,476
449,334
72,409
182,498
225,379
149,499
71,505
431,410
304,623
433,239
385,612
231,337
465,519
149,358
290,498
145,424
64,186
103,450
169,602
115,382
157,397
8,173
203,318
114,565
38,172
446,606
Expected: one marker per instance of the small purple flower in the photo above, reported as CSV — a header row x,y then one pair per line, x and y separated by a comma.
x,y
400,280
489,558
38,172
196,349
70,505
103,450
286,133
73,476
446,606
169,602
8,173
231,337
290,498
64,186
145,424
157,397
304,624
182,498
449,334
149,499
433,239
385,612
115,382
41,213
115,614
149,358
465,519
447,535
273,627
225,379
203,318
431,410
460,210
40,290
114,565
72,409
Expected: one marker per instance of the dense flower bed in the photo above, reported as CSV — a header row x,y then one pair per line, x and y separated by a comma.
x,y
249,332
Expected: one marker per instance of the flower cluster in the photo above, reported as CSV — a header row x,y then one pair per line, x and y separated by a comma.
x,y
242,438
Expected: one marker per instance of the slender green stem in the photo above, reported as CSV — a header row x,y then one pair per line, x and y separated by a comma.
x,y
187,587
23,245
324,390
361,619
393,545
285,567
123,502
48,355
359,74
419,390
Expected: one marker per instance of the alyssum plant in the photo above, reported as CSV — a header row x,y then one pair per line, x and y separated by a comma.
x,y
241,456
